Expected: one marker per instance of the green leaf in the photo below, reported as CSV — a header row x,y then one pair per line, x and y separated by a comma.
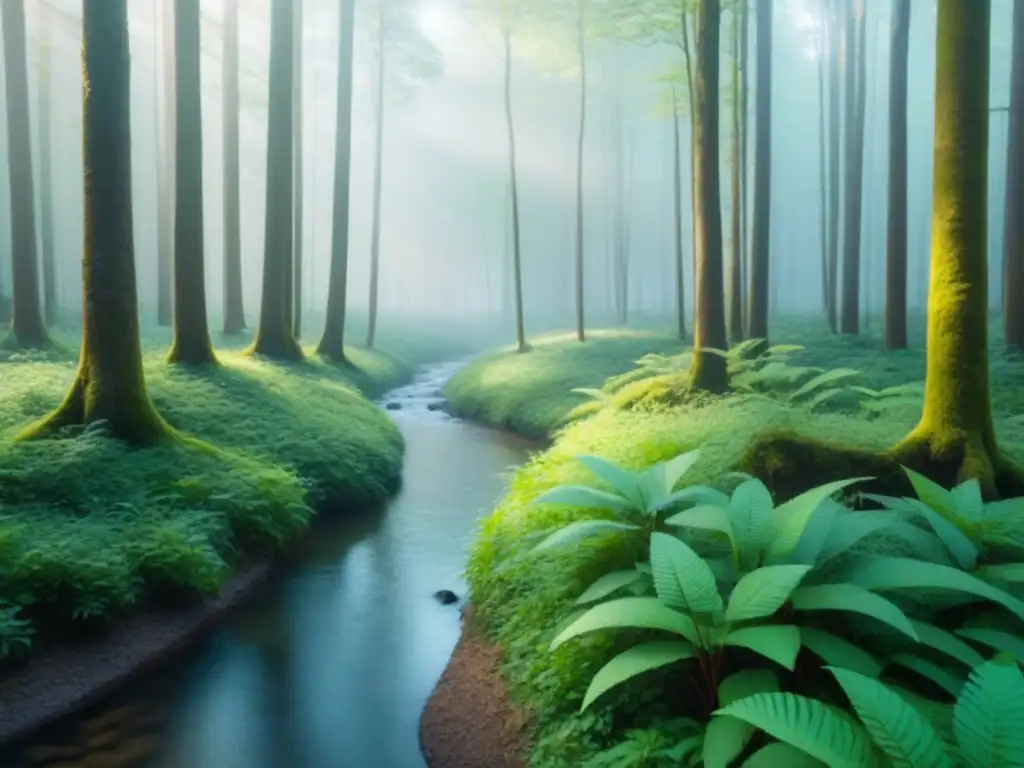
x,y
853,599
817,532
807,725
705,517
839,652
745,683
931,493
750,511
635,661
695,494
724,741
828,377
625,483
629,613
675,468
896,727
967,502
762,592
1012,573
681,577
939,675
776,642
791,518
947,643
997,639
777,754
607,584
585,497
964,552
988,715
582,529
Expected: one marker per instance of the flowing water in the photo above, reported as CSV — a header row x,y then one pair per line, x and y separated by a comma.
x,y
331,666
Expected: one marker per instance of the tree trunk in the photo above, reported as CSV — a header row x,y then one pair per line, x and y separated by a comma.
x,y
378,166
677,219
826,278
896,242
109,385
166,171
581,42
332,343
744,121
46,171
835,133
692,97
234,313
708,370
191,343
956,432
620,213
1013,232
274,336
517,262
849,319
760,239
735,302
27,328
295,274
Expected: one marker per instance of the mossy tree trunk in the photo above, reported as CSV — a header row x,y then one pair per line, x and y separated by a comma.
x,y
110,384
735,286
677,219
708,371
896,245
234,311
295,274
581,44
378,167
27,327
45,127
274,336
191,343
332,343
849,318
760,238
165,166
834,28
1013,234
956,432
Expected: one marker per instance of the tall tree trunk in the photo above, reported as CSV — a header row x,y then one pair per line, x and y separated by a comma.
x,y
517,262
955,434
708,370
332,343
760,240
378,167
896,241
677,218
46,171
736,246
191,343
835,33
166,170
295,275
581,42
620,213
234,313
744,121
849,318
274,336
110,385
826,278
691,95
27,327
1013,225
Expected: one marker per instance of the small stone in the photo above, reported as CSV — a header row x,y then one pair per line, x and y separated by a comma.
x,y
394,406
446,597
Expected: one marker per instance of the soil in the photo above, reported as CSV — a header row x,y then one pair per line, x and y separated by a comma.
x,y
468,721
67,678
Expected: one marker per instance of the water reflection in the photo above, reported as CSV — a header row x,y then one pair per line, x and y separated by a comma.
x,y
333,665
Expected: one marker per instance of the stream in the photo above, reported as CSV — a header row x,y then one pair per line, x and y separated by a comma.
x,y
330,667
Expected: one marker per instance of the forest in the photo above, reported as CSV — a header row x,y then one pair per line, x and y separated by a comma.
x,y
506,383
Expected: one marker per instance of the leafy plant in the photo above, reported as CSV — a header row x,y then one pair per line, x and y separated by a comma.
x,y
16,633
876,401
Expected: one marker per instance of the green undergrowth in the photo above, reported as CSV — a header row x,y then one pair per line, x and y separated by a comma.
x,y
90,530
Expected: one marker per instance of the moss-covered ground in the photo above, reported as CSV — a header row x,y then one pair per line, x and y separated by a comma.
x,y
522,599
91,530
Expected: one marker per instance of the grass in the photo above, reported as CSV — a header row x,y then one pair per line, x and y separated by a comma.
x,y
522,600
90,530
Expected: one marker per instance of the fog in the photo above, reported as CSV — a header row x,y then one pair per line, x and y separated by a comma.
x,y
445,230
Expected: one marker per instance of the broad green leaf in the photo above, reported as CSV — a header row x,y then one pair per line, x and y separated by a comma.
x,y
629,613
607,584
807,724
962,548
791,518
582,529
938,674
850,528
947,643
635,661
931,493
677,467
938,713
706,517
776,642
828,377
681,750
585,497
695,494
853,599
1012,573
967,502
839,652
762,592
625,483
778,754
681,577
750,511
996,639
745,683
816,533
988,715
724,741
897,728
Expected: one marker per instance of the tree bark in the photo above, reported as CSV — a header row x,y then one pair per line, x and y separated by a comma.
x,y
46,171
110,385
166,171
896,242
1013,226
378,170
294,275
27,328
709,370
274,337
849,319
835,33
826,280
692,99
234,312
517,261
956,428
677,219
581,42
760,239
735,320
191,343
332,343
744,121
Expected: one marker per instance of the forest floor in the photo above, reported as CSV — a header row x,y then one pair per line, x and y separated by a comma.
x,y
91,531
520,601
